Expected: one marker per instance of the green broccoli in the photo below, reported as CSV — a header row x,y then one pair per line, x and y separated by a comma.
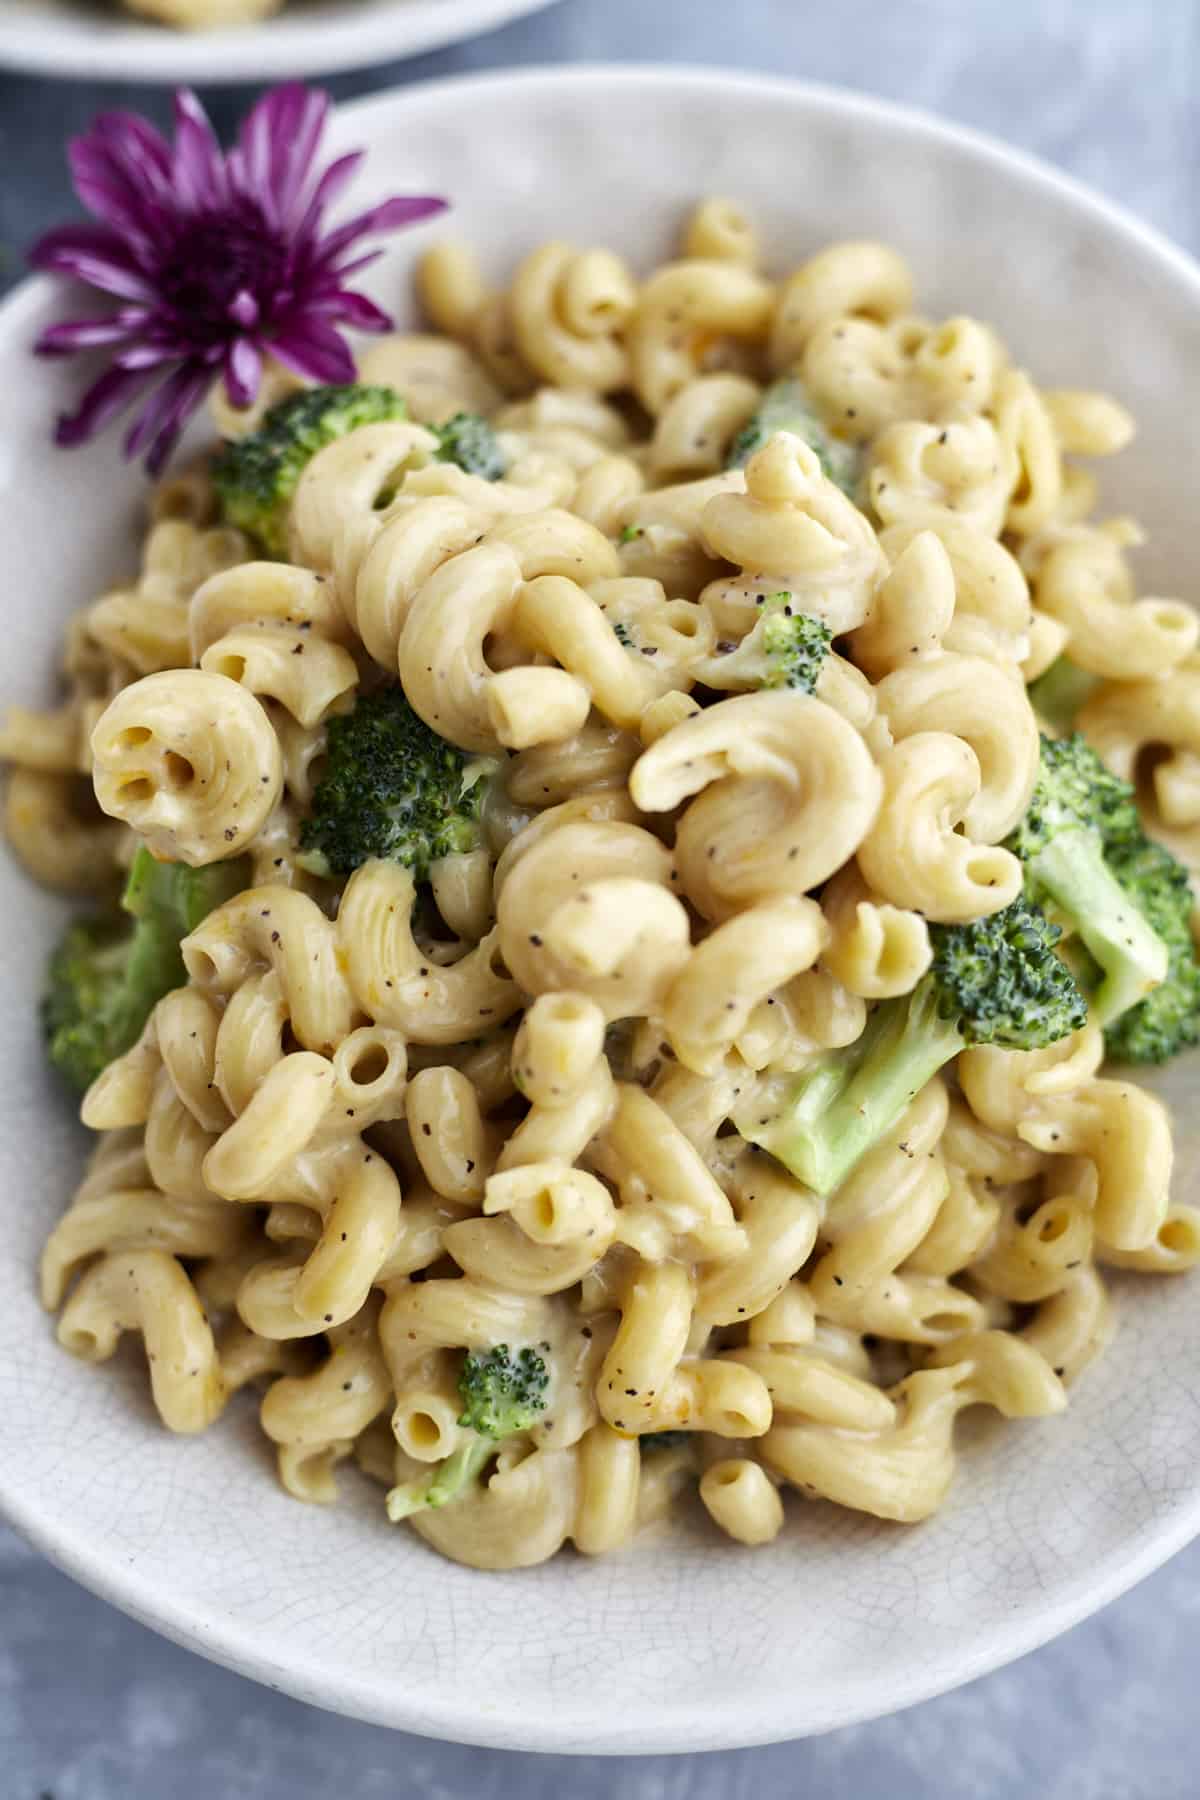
x,y
666,1440
106,976
784,649
1057,694
391,788
786,407
468,440
256,476
995,981
85,971
1078,816
503,1392
1168,1019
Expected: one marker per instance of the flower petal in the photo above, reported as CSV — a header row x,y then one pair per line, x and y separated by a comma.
x,y
101,404
276,147
302,141
333,280
244,309
137,146
162,419
405,209
94,254
117,169
330,185
145,356
243,372
311,348
390,215
253,155
354,310
197,165
70,335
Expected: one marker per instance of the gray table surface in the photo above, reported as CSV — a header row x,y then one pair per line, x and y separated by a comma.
x,y
93,1707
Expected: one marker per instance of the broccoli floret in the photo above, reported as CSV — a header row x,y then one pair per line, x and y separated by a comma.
x,y
503,1392
392,788
255,476
784,649
994,981
1057,695
468,440
107,975
786,407
85,971
1168,1019
1078,817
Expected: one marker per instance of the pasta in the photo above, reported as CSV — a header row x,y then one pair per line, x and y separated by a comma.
x,y
389,1126
203,15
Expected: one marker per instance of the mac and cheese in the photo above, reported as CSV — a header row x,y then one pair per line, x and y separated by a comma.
x,y
396,1120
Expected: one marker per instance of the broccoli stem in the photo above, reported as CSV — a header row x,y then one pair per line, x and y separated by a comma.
x,y
167,901
155,963
503,1392
107,976
844,1105
1072,871
445,1481
1057,695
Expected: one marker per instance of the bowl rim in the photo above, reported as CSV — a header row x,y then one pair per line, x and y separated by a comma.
x,y
141,50
452,1716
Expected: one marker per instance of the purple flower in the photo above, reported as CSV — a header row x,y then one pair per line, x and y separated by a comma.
x,y
215,261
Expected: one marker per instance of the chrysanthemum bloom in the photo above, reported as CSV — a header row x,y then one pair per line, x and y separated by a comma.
x,y
216,260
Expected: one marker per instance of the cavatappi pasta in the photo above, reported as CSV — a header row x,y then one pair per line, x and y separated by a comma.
x,y
388,1122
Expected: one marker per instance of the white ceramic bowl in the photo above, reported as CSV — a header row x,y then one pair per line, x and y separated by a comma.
x,y
683,1643
97,40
